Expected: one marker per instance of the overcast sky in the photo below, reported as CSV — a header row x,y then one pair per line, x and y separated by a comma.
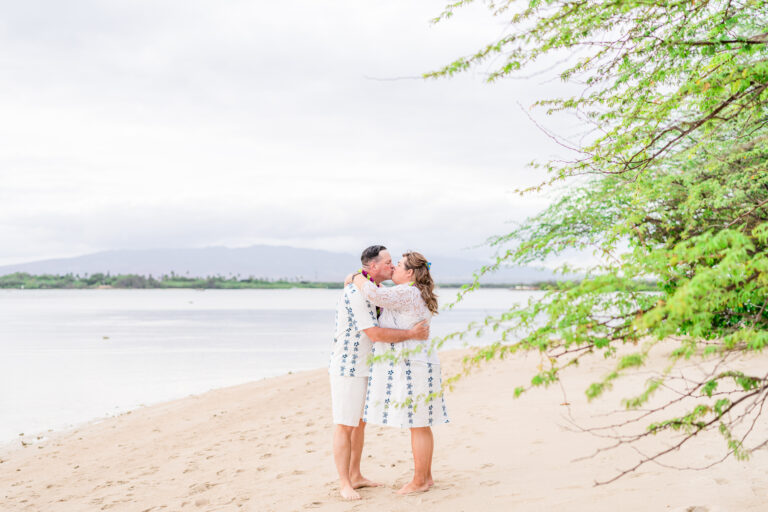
x,y
159,124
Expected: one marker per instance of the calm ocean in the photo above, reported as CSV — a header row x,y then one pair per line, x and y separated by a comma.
x,y
70,356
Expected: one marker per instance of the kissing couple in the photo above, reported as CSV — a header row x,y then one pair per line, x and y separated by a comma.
x,y
381,368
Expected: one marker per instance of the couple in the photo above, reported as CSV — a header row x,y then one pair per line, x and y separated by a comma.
x,y
402,389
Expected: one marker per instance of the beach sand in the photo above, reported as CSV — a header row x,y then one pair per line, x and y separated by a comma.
x,y
266,446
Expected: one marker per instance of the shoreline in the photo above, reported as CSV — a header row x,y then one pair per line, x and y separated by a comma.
x,y
288,285
32,438
266,446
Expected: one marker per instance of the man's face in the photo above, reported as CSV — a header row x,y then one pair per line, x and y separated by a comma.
x,y
382,268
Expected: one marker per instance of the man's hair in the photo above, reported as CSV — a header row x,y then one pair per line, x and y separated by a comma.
x,y
371,254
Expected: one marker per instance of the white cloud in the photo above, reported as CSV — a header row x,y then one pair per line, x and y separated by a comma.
x,y
186,124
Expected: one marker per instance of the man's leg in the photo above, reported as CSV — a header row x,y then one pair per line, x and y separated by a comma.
x,y
342,451
358,439
355,476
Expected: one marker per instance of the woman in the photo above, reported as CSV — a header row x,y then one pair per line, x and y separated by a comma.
x,y
404,386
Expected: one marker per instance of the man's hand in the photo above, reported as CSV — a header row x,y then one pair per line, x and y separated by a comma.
x,y
420,331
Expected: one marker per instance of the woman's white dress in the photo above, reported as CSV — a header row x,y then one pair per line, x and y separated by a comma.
x,y
406,392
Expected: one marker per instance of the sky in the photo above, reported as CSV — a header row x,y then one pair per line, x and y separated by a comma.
x,y
180,124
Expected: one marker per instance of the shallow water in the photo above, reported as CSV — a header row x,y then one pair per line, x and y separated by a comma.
x,y
69,356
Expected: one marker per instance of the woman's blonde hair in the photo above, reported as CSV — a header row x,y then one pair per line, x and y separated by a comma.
x,y
422,279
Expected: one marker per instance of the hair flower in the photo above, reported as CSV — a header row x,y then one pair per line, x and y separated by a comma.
x,y
429,265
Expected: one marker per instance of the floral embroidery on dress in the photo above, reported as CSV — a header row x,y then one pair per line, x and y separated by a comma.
x,y
406,391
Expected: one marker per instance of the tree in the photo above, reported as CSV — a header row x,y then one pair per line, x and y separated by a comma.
x,y
671,186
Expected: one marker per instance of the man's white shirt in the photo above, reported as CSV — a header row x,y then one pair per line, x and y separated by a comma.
x,y
351,346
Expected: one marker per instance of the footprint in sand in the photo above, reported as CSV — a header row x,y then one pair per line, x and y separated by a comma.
x,y
199,488
490,483
266,456
488,465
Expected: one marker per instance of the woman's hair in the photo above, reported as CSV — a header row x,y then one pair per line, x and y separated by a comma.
x,y
422,279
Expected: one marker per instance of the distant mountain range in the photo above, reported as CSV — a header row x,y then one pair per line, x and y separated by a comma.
x,y
260,261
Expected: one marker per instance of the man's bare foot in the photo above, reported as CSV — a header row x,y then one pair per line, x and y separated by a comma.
x,y
412,487
348,493
430,482
364,482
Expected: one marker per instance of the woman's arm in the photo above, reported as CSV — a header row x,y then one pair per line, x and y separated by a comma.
x,y
397,298
350,277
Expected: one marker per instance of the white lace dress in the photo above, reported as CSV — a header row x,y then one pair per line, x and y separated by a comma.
x,y
406,392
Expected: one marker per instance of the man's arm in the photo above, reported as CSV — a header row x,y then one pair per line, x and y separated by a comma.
x,y
420,331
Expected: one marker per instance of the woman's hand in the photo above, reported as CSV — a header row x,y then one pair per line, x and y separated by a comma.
x,y
359,281
348,279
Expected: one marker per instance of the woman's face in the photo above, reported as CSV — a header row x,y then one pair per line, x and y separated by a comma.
x,y
402,275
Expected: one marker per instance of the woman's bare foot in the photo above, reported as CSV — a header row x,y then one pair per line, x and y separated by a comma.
x,y
364,482
412,487
348,493
430,482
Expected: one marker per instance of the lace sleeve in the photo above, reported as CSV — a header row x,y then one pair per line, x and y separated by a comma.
x,y
399,298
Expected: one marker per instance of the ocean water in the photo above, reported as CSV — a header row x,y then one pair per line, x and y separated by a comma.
x,y
70,356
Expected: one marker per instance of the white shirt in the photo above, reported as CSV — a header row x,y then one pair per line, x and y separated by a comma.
x,y
403,308
351,346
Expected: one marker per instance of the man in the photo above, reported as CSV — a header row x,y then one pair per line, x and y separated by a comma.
x,y
357,327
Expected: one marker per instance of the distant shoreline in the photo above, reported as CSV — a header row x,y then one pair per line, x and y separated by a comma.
x,y
25,281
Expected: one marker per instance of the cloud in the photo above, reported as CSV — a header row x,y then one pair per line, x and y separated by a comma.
x,y
168,123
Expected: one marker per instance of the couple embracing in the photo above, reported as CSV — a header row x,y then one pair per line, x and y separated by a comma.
x,y
402,387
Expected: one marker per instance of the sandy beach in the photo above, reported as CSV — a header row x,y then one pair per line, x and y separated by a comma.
x,y
266,446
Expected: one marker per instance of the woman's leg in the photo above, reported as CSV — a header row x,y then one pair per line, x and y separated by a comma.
x,y
430,480
422,444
